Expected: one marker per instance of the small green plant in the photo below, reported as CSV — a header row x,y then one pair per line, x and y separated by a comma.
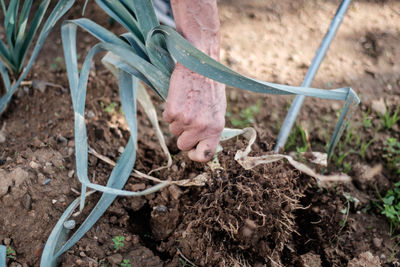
x,y
346,211
367,120
247,116
389,120
294,140
364,147
392,154
10,253
57,64
111,107
118,242
391,207
126,263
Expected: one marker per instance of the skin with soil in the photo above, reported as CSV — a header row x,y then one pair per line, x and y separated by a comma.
x,y
221,222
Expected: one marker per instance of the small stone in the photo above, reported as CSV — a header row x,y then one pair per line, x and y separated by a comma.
x,y
41,178
27,202
175,192
5,183
161,208
115,259
19,176
379,106
34,165
121,149
377,242
62,140
82,254
91,114
71,143
128,238
79,261
7,241
54,201
71,173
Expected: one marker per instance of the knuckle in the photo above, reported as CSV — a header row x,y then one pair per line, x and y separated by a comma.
x,y
187,118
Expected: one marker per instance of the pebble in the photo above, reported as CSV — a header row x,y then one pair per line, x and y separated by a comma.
x,y
19,176
115,259
121,149
90,114
41,178
7,241
71,173
161,208
27,202
62,140
34,165
377,242
54,201
47,181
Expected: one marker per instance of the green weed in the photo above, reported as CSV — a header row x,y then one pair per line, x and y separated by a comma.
x,y
392,154
126,263
10,253
367,120
293,139
389,120
246,116
391,206
118,242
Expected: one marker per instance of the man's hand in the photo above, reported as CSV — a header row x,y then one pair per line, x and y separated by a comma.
x,y
196,112
196,105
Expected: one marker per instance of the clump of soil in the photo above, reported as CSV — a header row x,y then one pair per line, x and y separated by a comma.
x,y
239,217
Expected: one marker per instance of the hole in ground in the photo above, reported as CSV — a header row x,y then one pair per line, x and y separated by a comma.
x,y
139,222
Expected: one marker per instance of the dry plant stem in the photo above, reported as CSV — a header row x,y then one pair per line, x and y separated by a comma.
x,y
186,259
199,180
196,105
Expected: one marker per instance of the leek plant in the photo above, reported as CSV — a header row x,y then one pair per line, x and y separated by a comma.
x,y
22,24
146,53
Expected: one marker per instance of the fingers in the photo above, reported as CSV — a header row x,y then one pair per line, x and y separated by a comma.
x,y
205,149
176,128
187,140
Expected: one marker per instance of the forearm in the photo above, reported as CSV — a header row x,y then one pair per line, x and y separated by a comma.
x,y
198,22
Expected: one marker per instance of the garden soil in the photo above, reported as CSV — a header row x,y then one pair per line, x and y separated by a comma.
x,y
271,215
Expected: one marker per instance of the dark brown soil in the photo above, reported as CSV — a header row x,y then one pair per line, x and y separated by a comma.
x,y
268,216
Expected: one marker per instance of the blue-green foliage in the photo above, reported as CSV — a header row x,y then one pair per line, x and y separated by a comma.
x,y
22,25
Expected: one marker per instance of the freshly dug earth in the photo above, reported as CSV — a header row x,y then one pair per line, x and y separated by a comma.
x,y
271,215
